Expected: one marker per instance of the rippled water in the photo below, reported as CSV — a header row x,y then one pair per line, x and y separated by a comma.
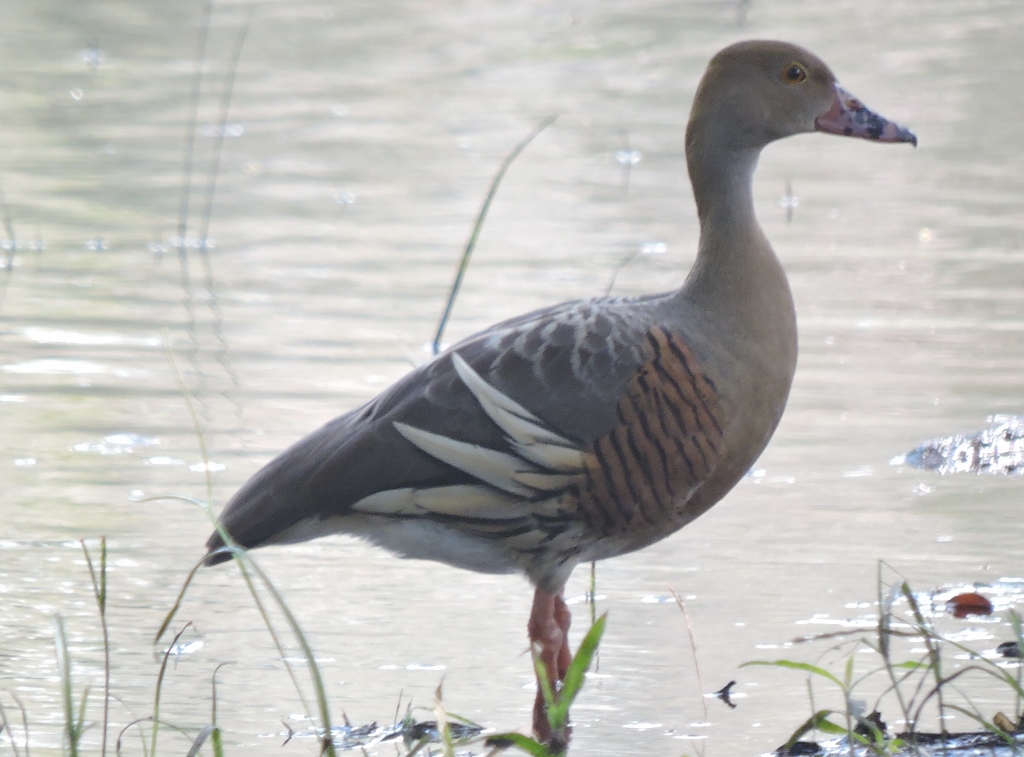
x,y
359,143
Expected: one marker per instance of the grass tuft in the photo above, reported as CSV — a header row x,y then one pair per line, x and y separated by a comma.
x,y
916,686
99,588
557,702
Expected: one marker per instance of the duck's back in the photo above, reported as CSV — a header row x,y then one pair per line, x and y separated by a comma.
x,y
572,433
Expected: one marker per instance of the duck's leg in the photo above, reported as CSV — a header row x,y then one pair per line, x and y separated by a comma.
x,y
564,619
549,633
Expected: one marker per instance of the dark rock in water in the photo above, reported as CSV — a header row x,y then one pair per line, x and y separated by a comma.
x,y
973,744
799,748
1009,649
349,737
428,730
963,743
996,449
872,724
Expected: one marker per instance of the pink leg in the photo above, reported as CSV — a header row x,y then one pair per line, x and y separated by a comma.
x,y
564,619
549,631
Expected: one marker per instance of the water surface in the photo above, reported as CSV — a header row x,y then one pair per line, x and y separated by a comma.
x,y
360,140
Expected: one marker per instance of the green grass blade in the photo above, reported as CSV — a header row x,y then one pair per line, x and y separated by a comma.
x,y
159,687
10,731
169,617
480,218
444,733
137,724
793,665
64,670
558,715
542,680
910,665
519,741
99,588
1018,633
327,741
242,559
988,726
80,723
817,722
215,738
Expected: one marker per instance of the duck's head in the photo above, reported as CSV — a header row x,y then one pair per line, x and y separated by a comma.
x,y
758,91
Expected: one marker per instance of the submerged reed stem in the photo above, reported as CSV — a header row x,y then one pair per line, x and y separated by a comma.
x,y
478,226
99,588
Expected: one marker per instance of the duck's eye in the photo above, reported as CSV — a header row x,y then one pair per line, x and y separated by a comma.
x,y
794,73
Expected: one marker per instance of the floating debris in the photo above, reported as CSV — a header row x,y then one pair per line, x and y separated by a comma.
x,y
1004,724
967,604
997,449
408,732
918,745
724,694
800,748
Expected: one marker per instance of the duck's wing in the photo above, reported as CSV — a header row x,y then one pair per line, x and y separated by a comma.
x,y
583,416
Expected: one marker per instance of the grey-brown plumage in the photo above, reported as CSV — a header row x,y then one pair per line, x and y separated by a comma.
x,y
621,393
592,428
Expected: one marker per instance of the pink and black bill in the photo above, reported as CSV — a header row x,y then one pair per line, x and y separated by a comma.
x,y
849,117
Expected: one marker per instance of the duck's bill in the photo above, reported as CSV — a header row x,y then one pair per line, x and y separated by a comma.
x,y
849,117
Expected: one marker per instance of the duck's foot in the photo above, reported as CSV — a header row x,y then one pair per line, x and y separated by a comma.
x,y
549,633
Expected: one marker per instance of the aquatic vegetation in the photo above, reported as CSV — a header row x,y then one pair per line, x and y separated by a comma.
x,y
557,702
419,737
912,688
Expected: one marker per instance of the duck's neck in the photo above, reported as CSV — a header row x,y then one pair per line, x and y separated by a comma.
x,y
722,181
736,274
737,284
